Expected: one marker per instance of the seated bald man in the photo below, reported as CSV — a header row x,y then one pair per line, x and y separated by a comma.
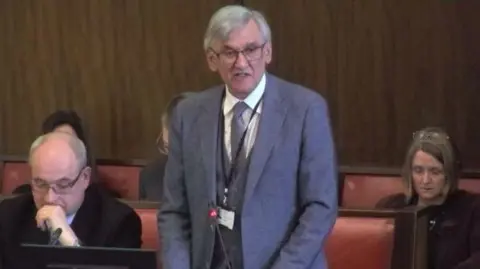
x,y
62,197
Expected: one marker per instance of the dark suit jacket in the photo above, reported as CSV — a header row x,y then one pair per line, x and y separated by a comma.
x,y
455,236
290,202
151,180
100,221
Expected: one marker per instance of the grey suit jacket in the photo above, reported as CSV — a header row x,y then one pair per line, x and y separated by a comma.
x,y
290,202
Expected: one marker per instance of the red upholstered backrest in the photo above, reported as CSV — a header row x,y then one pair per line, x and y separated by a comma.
x,y
361,242
123,180
355,242
470,184
365,190
14,174
149,227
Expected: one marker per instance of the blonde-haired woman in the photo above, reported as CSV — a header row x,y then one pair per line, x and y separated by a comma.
x,y
430,175
151,176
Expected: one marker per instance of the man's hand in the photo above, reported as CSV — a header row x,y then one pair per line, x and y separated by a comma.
x,y
53,215
56,218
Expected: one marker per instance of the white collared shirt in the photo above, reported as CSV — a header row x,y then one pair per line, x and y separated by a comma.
x,y
252,99
70,219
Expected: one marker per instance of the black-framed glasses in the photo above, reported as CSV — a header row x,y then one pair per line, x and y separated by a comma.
x,y
251,53
59,188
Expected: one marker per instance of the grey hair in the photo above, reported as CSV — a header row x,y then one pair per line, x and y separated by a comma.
x,y
230,18
77,146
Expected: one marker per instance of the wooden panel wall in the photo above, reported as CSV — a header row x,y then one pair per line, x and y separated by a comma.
x,y
117,62
386,67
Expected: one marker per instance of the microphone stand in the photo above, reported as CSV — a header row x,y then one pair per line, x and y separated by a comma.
x,y
213,214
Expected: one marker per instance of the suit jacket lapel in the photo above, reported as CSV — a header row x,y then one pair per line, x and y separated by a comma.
x,y
271,121
208,124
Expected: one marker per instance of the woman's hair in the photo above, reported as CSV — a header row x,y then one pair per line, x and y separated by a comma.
x,y
167,117
437,143
71,118
172,104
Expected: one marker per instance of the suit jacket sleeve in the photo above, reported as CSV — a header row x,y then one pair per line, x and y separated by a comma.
x,y
317,191
129,232
173,219
473,262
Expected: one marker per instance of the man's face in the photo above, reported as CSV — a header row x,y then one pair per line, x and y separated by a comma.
x,y
241,60
56,178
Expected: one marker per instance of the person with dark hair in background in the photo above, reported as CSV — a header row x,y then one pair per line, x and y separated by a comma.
x,y
68,121
151,176
430,177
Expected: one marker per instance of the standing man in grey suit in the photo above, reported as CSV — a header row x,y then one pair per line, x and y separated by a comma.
x,y
251,175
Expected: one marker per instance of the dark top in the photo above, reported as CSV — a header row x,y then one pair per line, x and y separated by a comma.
x,y
100,221
151,180
454,234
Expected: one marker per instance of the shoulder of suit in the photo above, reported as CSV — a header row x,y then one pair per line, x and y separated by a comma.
x,y
16,202
112,210
114,206
294,92
116,214
466,199
13,208
200,98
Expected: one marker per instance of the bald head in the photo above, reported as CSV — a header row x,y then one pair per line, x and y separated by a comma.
x,y
59,175
59,148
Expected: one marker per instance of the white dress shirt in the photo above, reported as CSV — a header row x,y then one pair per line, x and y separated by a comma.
x,y
252,99
70,219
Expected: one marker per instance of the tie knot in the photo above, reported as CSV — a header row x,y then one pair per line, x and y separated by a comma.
x,y
239,108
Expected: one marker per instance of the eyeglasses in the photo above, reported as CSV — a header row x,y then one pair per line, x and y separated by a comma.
x,y
230,56
59,188
428,135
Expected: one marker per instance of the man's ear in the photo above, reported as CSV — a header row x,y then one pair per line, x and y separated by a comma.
x,y
87,176
212,60
267,52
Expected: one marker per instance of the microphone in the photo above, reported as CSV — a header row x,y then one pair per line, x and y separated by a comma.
x,y
213,216
54,234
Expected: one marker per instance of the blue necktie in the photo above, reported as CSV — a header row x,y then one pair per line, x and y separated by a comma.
x,y
238,127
